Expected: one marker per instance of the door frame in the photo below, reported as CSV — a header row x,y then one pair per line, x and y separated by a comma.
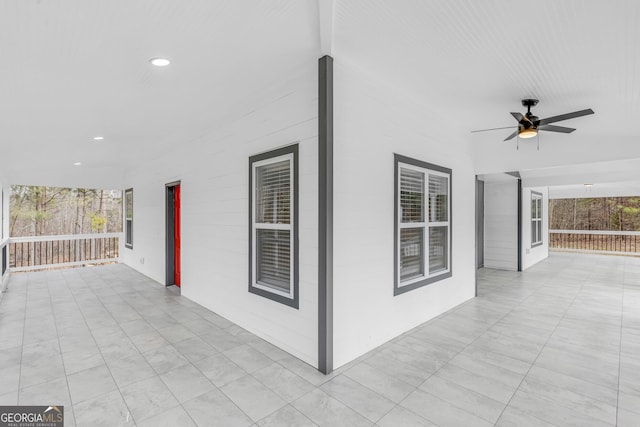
x,y
479,227
169,229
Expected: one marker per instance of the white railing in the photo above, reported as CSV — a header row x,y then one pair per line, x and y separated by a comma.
x,y
596,241
43,252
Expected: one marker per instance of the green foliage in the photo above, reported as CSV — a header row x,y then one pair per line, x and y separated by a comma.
x,y
97,221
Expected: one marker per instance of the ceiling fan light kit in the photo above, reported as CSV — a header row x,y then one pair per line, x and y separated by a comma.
x,y
527,133
529,124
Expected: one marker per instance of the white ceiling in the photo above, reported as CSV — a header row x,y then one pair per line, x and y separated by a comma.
x,y
72,69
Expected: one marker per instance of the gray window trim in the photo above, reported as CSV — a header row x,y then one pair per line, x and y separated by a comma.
x,y
397,289
541,197
291,302
128,243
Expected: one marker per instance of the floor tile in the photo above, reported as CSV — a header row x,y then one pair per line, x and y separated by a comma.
x,y
378,381
175,417
255,400
165,358
465,399
219,369
90,383
54,392
357,397
214,409
627,418
400,416
283,382
248,358
195,349
148,341
512,417
108,410
478,383
440,412
569,399
286,416
80,360
324,410
130,369
176,333
552,412
187,382
147,397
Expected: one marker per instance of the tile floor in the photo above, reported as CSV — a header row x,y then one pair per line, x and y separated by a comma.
x,y
558,345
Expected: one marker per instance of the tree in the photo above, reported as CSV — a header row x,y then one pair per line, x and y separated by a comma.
x,y
38,210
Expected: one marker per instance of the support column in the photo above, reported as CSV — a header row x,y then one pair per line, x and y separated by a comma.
x,y
519,224
325,214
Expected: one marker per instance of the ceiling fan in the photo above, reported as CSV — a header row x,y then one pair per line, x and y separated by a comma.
x,y
529,125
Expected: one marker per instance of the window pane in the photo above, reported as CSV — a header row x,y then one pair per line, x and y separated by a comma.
x,y
411,258
128,202
539,208
129,232
273,193
438,198
534,205
534,232
273,259
539,227
438,243
411,196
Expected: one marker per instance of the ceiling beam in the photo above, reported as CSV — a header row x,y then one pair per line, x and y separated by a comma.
x,y
326,10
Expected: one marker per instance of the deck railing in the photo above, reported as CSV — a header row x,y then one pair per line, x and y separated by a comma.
x,y
596,241
42,252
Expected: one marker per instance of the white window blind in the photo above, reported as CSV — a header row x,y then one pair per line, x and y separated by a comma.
x,y
273,193
272,226
274,259
423,223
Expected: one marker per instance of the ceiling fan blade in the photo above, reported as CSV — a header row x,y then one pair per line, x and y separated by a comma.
x,y
519,117
553,128
565,116
513,135
485,130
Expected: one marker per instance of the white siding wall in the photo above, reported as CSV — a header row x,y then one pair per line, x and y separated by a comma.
x,y
532,256
372,122
213,171
501,224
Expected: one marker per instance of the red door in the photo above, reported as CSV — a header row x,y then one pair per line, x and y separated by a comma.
x,y
176,235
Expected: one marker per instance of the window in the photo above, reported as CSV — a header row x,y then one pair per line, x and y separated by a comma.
x,y
273,218
536,219
422,224
128,218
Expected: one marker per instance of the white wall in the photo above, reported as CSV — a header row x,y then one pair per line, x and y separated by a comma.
x,y
501,224
532,256
372,122
213,171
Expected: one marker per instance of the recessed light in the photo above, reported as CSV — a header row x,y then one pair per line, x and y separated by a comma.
x,y
77,164
160,62
98,138
588,185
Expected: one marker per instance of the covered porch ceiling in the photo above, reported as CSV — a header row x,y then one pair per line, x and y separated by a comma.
x,y
74,69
